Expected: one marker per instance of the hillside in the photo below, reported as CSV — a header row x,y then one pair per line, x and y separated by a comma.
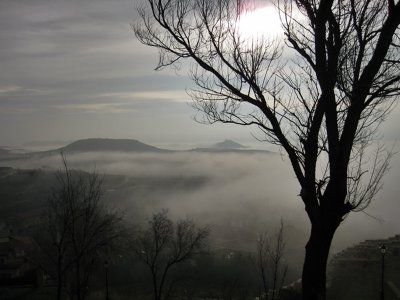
x,y
355,272
228,144
101,145
122,145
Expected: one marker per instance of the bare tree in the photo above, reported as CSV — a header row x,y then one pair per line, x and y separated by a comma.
x,y
320,95
164,245
270,262
78,229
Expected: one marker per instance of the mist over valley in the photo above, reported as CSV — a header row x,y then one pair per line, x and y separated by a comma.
x,y
237,191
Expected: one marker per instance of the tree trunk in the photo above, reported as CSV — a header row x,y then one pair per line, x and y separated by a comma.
x,y
78,282
59,287
59,277
155,285
317,251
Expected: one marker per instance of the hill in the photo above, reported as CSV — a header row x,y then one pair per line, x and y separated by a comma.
x,y
355,272
228,144
122,145
101,145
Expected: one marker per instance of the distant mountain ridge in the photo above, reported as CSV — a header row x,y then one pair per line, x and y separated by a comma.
x,y
123,145
103,144
228,144
135,146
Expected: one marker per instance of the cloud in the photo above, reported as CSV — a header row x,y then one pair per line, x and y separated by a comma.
x,y
16,90
166,95
103,108
10,89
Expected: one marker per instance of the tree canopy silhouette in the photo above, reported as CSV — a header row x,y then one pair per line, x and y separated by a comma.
x,y
164,245
78,230
319,93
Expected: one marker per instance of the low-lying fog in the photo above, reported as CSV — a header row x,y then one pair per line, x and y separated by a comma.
x,y
239,194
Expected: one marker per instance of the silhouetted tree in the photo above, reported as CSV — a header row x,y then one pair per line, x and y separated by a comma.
x,y
78,228
320,95
270,262
164,245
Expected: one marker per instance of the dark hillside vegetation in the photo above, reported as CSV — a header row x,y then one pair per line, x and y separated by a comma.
x,y
23,194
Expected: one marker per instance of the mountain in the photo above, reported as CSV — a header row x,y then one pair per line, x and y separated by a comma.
x,y
121,145
101,145
228,144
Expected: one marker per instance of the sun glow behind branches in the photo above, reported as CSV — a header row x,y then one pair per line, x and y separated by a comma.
x,y
259,23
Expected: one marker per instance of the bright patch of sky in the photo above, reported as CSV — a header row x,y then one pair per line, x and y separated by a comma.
x,y
261,22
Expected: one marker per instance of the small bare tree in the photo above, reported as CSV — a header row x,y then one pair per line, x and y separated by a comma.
x,y
164,245
270,262
78,227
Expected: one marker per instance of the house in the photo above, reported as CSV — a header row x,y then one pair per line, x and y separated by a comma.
x,y
16,267
358,271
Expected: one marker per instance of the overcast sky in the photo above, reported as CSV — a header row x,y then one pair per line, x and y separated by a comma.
x,y
72,69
